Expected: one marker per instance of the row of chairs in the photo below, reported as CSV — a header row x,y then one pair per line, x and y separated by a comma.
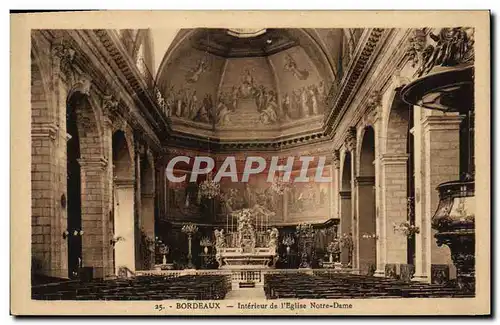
x,y
189,287
339,285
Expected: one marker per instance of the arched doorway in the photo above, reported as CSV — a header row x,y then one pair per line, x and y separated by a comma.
x,y
366,204
123,203
74,191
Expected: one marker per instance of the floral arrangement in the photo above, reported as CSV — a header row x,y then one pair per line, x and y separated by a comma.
x,y
406,229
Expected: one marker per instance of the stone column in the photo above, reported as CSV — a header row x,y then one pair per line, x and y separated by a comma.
x,y
148,213
94,218
335,184
350,144
437,137
394,197
124,224
366,221
345,205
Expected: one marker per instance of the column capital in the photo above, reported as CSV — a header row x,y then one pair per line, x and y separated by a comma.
x,y
124,182
43,130
365,180
110,106
93,162
448,122
394,159
336,159
350,139
345,195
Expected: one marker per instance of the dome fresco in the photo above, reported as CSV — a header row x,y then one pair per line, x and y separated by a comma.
x,y
258,83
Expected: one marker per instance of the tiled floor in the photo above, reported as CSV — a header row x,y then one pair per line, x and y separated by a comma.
x,y
246,293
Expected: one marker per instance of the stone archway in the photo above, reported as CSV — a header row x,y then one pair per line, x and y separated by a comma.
x,y
345,208
365,187
86,177
123,203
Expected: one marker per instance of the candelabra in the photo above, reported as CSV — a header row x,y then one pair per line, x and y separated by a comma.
x,y
189,230
209,188
288,241
205,242
305,233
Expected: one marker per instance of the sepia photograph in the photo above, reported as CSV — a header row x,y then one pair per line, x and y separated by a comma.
x,y
314,168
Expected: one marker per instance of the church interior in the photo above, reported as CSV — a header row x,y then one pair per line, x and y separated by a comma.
x,y
390,110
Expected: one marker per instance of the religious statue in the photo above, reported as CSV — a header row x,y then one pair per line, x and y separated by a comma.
x,y
219,239
273,238
453,46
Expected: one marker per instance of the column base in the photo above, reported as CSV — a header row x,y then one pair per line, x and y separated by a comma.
x,y
379,273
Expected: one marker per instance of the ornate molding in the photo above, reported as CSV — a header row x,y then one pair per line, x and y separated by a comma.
x,y
42,130
93,163
350,81
374,101
82,84
110,106
336,159
83,120
350,140
398,80
365,180
416,45
63,58
345,195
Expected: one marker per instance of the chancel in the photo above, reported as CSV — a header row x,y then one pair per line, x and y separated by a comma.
x,y
237,163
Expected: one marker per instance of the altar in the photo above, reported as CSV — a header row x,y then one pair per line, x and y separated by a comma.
x,y
251,245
